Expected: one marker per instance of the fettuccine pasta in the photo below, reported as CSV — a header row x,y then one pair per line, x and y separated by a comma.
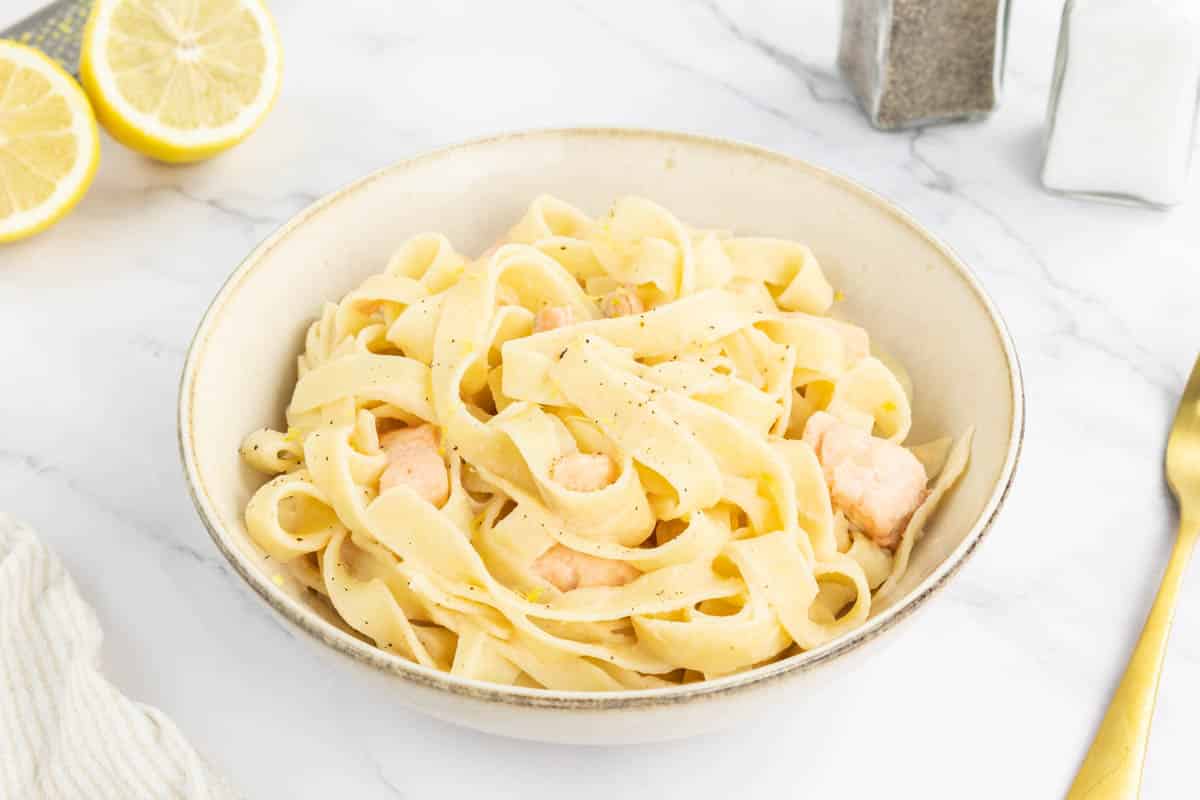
x,y
608,454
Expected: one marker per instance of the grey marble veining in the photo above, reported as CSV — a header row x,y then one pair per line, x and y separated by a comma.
x,y
992,692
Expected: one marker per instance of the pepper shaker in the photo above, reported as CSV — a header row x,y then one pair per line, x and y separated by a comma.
x,y
915,62
1122,112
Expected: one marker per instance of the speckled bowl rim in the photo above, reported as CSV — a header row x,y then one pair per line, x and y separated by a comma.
x,y
310,622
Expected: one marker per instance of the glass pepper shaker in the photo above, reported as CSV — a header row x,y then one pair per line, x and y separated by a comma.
x,y
1122,113
915,62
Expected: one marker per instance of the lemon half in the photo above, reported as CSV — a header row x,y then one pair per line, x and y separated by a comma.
x,y
180,80
49,145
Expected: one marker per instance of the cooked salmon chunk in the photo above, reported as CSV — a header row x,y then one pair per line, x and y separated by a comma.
x,y
584,472
877,484
413,460
551,317
569,569
621,303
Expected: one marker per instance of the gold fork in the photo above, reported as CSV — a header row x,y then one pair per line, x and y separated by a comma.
x,y
1113,767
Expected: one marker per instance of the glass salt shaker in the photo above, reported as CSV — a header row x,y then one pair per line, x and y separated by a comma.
x,y
915,62
1122,113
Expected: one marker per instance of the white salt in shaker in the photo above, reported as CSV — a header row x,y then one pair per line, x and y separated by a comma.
x,y
1123,108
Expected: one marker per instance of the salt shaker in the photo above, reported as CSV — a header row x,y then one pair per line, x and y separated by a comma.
x,y
915,62
1122,110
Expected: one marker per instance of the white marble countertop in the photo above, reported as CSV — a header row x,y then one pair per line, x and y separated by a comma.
x,y
993,692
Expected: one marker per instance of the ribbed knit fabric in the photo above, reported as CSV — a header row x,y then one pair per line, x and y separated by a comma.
x,y
65,731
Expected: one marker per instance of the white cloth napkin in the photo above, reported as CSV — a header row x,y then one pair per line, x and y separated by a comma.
x,y
65,731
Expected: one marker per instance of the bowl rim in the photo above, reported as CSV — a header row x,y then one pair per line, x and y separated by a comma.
x,y
313,624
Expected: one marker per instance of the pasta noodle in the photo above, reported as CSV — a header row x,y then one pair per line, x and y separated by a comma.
x,y
608,454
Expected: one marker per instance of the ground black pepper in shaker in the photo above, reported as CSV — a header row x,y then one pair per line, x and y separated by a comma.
x,y
914,62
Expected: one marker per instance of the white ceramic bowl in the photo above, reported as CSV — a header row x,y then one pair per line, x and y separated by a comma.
x,y
920,303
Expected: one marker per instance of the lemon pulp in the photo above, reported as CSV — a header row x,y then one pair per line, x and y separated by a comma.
x,y
49,146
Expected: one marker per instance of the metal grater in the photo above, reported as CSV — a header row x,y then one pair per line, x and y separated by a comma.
x,y
56,30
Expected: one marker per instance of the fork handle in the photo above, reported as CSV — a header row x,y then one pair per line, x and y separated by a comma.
x,y
1112,769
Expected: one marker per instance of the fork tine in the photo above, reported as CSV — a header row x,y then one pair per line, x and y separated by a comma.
x,y
1183,445
1189,404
